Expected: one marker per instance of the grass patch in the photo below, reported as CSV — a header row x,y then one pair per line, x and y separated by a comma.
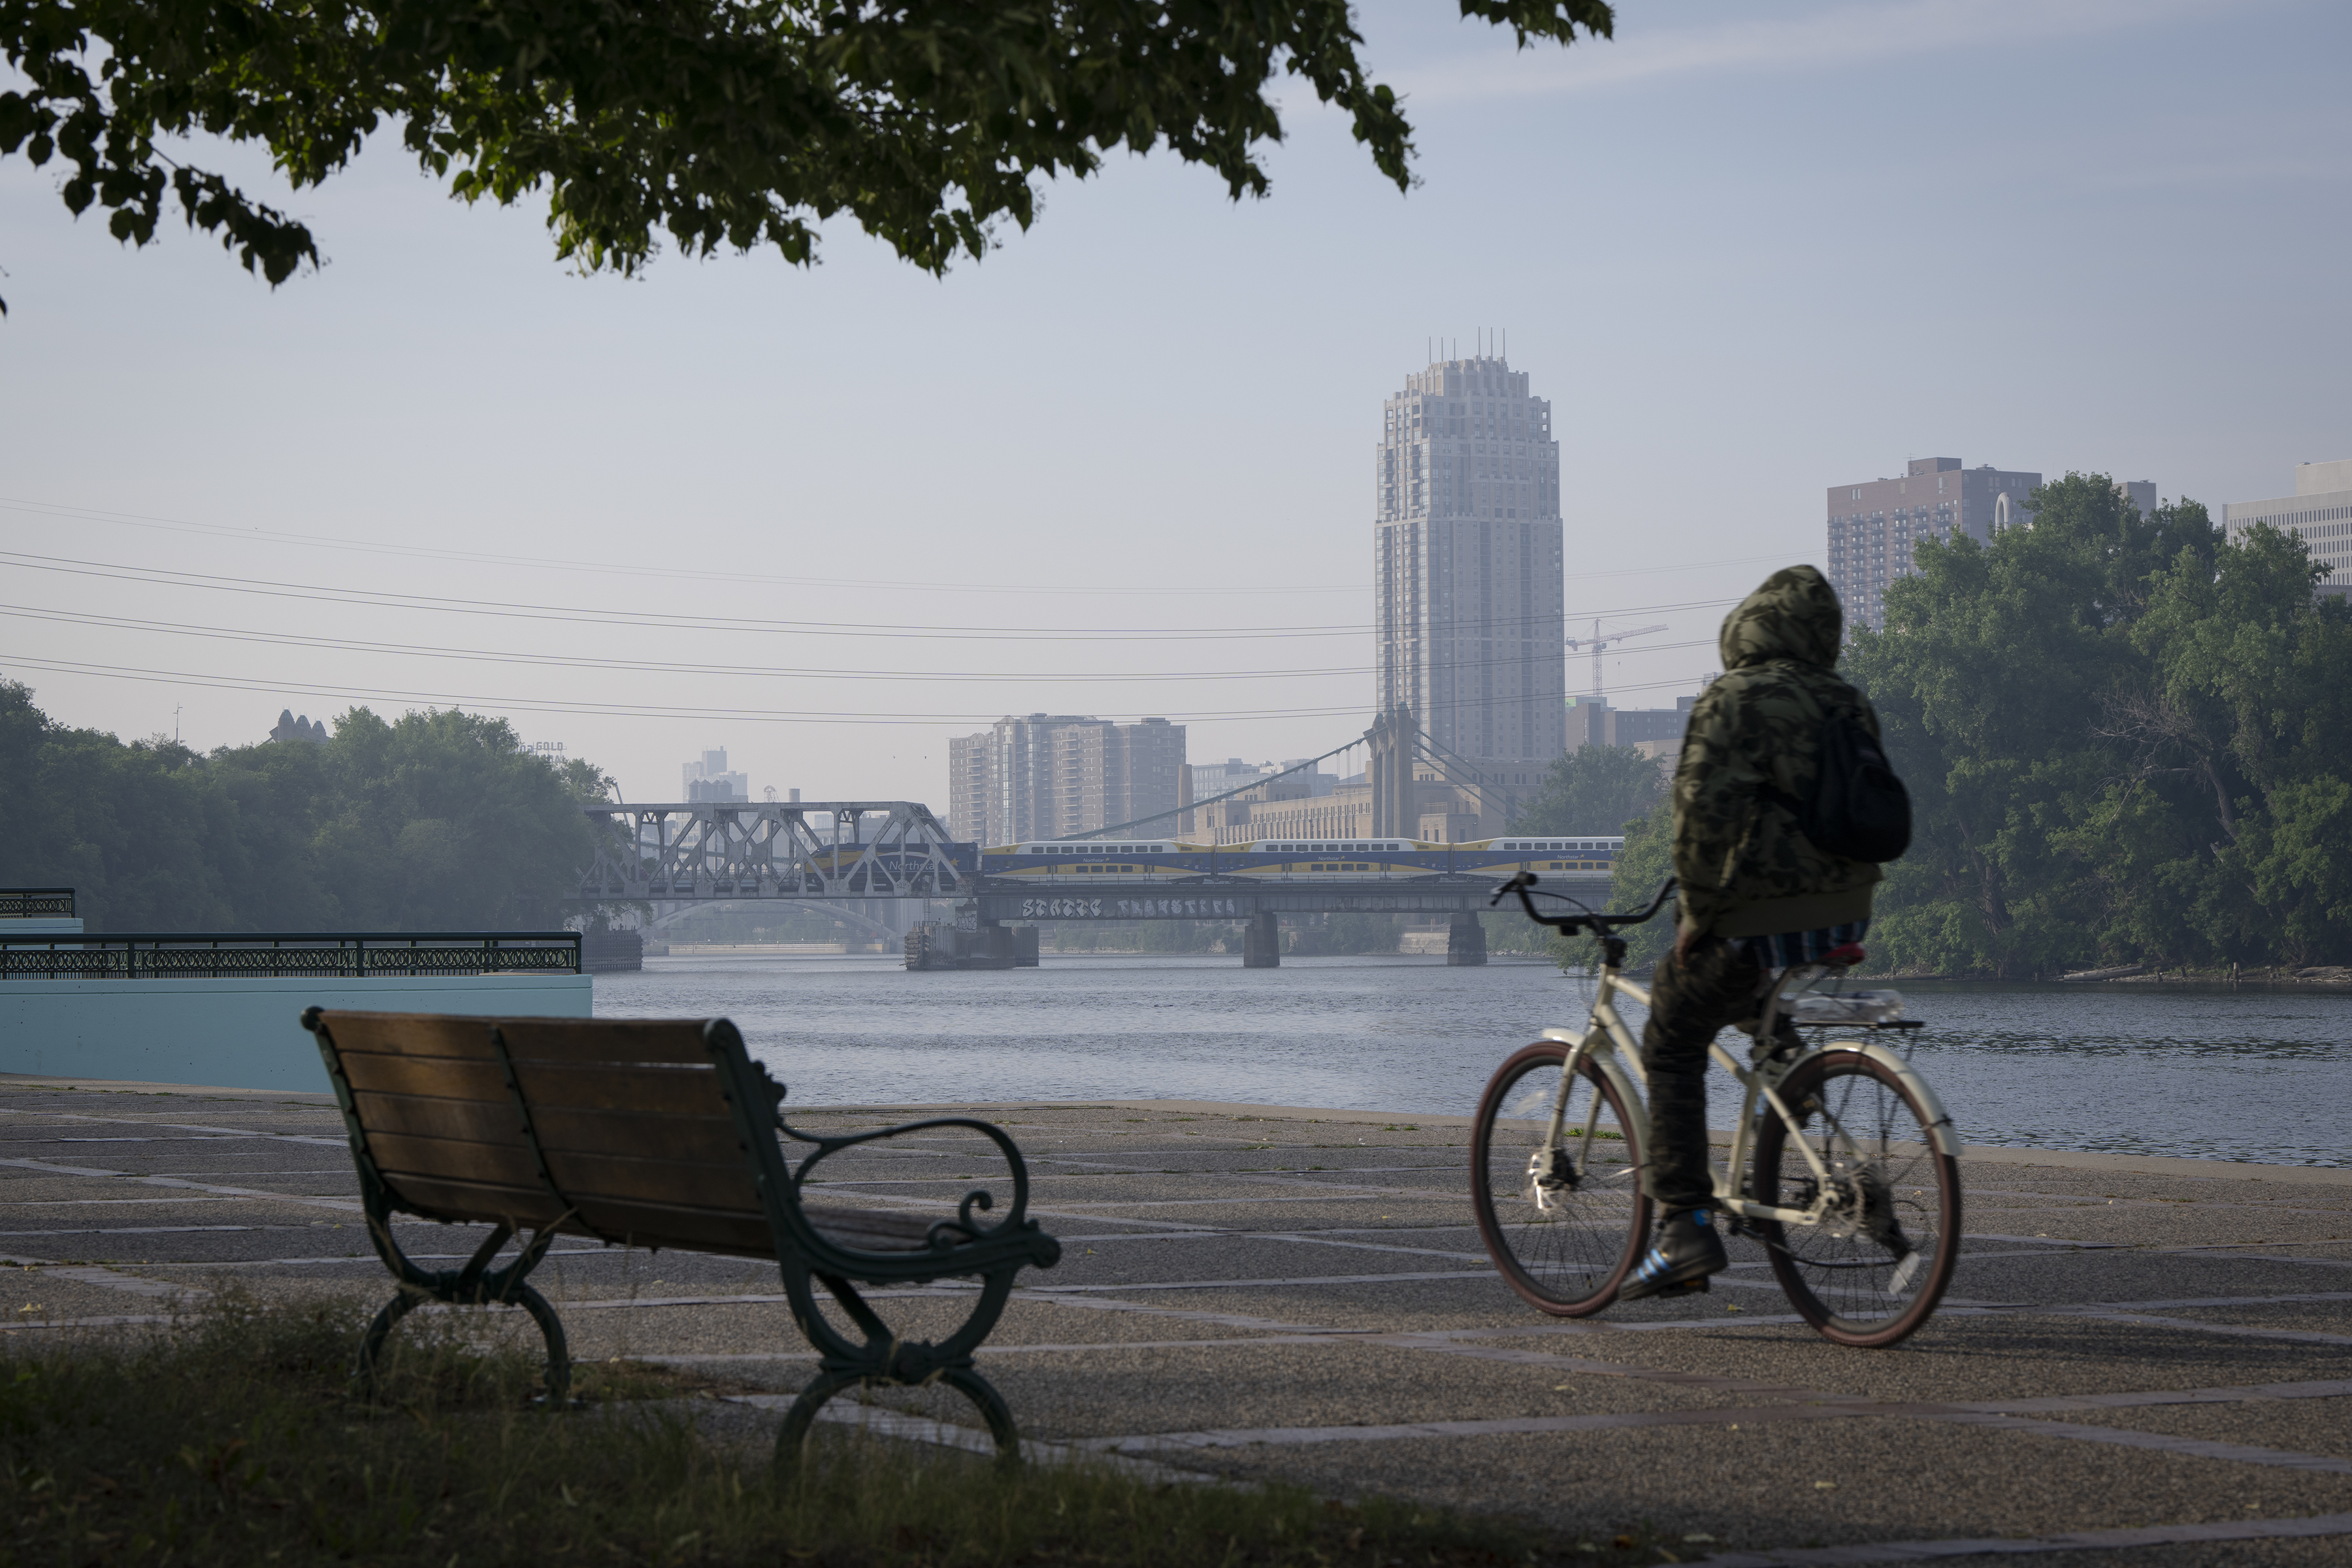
x,y
236,1437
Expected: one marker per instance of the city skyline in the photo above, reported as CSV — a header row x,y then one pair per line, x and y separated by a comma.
x,y
1119,468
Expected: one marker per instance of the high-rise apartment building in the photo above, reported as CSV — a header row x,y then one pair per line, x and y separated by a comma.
x,y
1466,563
2320,511
1048,775
1874,525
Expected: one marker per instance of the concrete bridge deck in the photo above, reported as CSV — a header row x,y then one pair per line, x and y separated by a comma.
x,y
2141,1362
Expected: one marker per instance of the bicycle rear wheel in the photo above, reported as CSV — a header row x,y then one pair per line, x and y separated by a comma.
x,y
1562,1221
1871,1271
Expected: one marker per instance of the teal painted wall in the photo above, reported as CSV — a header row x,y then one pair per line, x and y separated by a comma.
x,y
234,1034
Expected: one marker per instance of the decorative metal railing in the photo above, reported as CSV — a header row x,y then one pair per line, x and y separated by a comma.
x,y
35,903
143,956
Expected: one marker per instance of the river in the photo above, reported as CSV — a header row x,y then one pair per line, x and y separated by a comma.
x,y
2262,1076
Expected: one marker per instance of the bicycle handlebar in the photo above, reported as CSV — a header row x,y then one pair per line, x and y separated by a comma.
x,y
1598,924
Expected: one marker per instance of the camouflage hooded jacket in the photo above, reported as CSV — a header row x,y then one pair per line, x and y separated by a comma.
x,y
1746,869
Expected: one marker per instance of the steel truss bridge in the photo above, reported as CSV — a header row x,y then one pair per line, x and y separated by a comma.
x,y
701,851
835,854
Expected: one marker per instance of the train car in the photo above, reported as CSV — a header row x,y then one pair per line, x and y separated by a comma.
x,y
1072,865
1062,865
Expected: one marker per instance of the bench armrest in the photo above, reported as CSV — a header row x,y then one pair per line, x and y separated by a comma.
x,y
948,1232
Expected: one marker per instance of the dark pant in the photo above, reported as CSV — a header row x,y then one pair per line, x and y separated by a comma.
x,y
1689,1002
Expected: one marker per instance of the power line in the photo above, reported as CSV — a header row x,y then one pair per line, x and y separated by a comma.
x,y
635,570
420,552
657,666
278,687
667,621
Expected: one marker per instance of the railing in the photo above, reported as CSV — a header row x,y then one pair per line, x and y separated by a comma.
x,y
392,954
35,903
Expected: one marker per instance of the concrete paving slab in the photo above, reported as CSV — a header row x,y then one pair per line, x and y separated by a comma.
x,y
1301,1293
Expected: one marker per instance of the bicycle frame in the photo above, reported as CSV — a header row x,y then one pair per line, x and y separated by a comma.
x,y
1619,1059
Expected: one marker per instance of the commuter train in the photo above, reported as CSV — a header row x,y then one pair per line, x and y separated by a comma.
x,y
1061,865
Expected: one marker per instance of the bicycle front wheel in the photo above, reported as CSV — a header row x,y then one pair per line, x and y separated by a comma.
x,y
1874,1268
1563,1219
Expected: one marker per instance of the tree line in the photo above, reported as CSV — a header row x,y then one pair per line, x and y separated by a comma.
x,y
432,821
2127,739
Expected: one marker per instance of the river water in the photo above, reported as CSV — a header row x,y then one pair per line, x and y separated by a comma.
x,y
2211,1074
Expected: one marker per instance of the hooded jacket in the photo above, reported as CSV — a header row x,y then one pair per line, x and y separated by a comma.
x,y
1746,869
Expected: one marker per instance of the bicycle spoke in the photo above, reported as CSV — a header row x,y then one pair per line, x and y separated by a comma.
x,y
1873,1267
1562,1219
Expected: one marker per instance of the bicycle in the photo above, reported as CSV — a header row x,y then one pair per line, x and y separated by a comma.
x,y
1854,1187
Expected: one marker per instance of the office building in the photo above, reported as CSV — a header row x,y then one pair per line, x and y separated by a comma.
x,y
1206,781
1046,776
1873,525
1466,564
1656,730
709,780
2319,513
1443,809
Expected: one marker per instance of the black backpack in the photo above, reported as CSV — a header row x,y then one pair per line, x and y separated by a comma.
x,y
1859,810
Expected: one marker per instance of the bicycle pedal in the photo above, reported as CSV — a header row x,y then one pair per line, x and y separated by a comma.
x,y
1697,1287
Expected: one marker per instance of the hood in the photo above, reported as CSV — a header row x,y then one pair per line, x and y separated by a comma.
x,y
1795,614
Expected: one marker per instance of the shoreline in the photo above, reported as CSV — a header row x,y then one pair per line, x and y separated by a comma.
x,y
1983,1153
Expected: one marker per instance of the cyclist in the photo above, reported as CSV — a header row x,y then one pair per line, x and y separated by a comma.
x,y
1757,896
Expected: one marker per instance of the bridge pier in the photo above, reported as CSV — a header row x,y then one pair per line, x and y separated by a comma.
x,y
1466,941
1262,942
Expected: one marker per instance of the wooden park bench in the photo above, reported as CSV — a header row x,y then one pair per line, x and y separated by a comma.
x,y
652,1134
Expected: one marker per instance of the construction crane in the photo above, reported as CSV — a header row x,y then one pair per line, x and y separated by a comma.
x,y
1596,642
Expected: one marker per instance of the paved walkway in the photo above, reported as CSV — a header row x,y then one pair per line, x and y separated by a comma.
x,y
2140,1360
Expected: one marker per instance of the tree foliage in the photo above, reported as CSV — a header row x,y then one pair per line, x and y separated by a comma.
x,y
2127,740
1593,791
1642,867
722,122
433,821
1604,791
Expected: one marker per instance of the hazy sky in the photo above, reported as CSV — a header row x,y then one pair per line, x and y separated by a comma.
x,y
1748,250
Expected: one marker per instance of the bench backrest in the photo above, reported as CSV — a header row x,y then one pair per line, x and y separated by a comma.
x,y
617,1128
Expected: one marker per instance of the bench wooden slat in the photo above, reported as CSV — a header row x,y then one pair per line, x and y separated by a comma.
x,y
708,1140
871,1230
456,1159
693,1183
597,1086
443,1078
419,1034
684,1229
479,1203
482,1120
591,1040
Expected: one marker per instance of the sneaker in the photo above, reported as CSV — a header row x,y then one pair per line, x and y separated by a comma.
x,y
1687,1250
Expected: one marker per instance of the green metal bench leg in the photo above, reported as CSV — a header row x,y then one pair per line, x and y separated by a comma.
x,y
399,1307
999,1414
559,1354
802,1415
551,1329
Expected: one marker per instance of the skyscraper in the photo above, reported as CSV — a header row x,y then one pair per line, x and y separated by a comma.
x,y
1466,564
